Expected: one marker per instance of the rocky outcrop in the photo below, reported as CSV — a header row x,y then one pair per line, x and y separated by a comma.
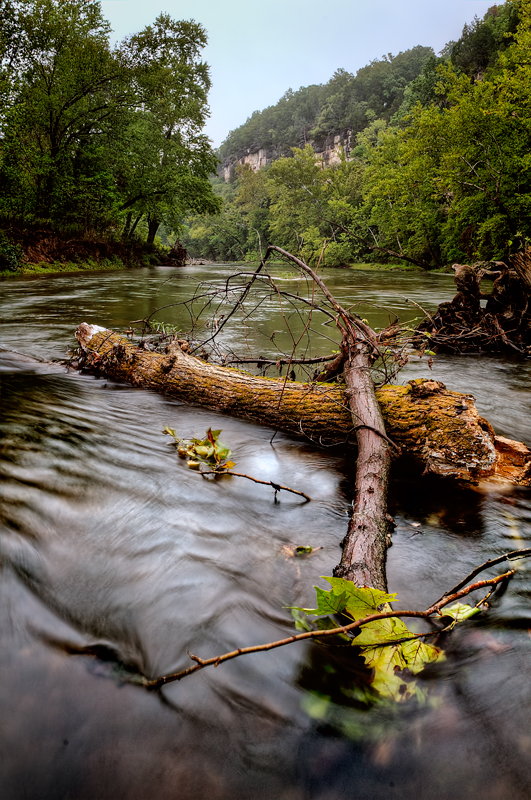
x,y
327,148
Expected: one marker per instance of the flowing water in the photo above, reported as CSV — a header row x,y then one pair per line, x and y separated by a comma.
x,y
110,543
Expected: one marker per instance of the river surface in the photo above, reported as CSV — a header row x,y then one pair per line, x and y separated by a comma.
x,y
109,542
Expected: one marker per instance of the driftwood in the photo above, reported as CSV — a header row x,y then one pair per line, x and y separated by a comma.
x,y
435,427
462,325
368,534
441,429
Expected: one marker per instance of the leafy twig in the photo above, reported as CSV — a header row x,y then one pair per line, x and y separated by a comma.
x,y
318,634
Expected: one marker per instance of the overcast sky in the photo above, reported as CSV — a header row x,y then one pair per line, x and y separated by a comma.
x,y
258,50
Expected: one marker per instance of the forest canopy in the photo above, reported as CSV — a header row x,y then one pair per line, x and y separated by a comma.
x,y
98,137
437,169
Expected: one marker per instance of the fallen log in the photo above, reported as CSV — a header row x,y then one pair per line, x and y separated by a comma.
x,y
368,535
439,429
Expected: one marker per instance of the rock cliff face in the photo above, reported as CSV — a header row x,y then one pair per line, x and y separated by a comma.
x,y
328,148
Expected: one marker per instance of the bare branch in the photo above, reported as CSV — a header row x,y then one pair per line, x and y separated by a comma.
x,y
321,634
276,486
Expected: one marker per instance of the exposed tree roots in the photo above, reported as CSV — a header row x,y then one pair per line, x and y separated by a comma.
x,y
504,325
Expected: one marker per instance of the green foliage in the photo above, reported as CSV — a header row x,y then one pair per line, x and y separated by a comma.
x,y
460,611
305,196
11,255
209,451
98,136
346,102
438,172
345,597
388,647
483,40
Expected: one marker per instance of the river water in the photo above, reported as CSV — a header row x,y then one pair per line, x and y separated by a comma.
x,y
110,543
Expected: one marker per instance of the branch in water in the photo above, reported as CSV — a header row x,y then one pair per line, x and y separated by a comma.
x,y
276,486
275,361
447,598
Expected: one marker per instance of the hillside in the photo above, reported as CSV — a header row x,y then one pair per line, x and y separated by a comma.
x,y
330,115
418,159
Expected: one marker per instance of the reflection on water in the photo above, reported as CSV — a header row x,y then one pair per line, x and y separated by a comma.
x,y
110,543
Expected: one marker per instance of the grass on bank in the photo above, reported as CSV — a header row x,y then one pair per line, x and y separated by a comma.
x,y
116,263
87,265
402,267
54,267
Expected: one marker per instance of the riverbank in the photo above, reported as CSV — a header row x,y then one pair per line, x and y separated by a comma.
x,y
57,267
41,251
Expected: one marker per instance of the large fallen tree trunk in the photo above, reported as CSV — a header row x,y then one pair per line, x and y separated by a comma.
x,y
448,440
438,428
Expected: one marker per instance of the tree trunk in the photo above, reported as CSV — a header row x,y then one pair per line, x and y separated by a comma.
x,y
153,226
439,429
462,325
127,226
135,223
366,542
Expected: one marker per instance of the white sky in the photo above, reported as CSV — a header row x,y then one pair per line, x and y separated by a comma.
x,y
257,51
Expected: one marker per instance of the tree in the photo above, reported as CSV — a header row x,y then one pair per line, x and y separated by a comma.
x,y
63,92
455,181
479,153
164,168
93,135
482,40
306,196
398,189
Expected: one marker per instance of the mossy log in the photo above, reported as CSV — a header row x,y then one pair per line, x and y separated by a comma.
x,y
438,428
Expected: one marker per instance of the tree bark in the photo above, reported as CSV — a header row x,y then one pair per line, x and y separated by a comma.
x,y
437,428
153,226
447,436
366,542
462,325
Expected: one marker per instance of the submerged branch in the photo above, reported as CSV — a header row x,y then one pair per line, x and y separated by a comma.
x,y
320,634
278,487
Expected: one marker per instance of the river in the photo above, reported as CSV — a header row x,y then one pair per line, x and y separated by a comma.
x,y
110,542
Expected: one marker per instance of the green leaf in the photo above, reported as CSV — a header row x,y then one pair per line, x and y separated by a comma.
x,y
360,601
381,630
301,620
327,603
302,549
460,612
315,706
391,660
222,452
209,451
387,645
417,654
327,624
346,597
205,451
